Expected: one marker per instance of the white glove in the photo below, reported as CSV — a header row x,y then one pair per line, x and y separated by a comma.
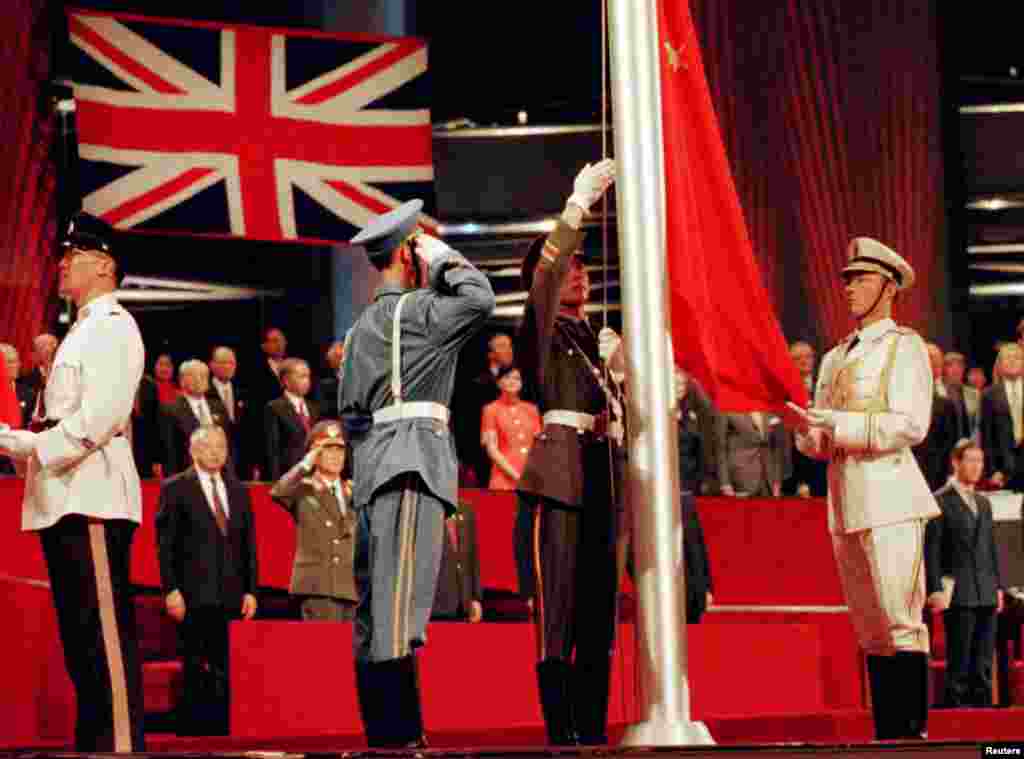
x,y
820,417
609,346
18,444
592,181
309,460
430,248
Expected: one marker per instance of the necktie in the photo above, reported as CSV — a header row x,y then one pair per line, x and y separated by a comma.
x,y
336,489
219,514
453,533
229,401
1013,393
852,345
204,413
303,415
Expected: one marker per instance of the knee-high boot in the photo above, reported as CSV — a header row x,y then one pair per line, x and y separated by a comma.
x,y
911,673
554,684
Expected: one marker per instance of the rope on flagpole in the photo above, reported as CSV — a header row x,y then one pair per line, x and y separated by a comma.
x,y
604,154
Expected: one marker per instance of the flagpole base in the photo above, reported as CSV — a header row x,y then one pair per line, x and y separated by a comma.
x,y
658,733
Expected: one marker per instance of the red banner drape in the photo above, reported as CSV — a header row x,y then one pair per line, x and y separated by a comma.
x,y
725,330
28,194
830,113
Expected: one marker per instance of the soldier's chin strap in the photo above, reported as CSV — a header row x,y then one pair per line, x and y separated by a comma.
x,y
877,300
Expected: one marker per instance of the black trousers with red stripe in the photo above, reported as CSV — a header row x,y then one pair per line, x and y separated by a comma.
x,y
88,563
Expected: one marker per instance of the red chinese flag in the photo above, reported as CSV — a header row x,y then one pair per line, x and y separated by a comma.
x,y
10,412
725,331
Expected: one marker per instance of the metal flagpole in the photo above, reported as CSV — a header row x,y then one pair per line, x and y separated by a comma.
x,y
653,478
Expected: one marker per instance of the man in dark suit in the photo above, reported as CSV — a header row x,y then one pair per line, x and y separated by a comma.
x,y
326,392
192,408
966,397
753,454
224,387
960,550
23,392
458,584
288,419
933,452
147,448
207,547
1002,419
263,384
809,476
691,475
44,347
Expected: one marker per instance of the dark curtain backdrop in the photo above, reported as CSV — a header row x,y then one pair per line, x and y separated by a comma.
x,y
28,192
830,112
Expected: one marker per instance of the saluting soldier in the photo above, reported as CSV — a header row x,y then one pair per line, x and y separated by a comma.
x,y
82,492
873,402
320,500
397,383
567,484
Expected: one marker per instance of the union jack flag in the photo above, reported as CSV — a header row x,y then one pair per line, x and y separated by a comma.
x,y
270,134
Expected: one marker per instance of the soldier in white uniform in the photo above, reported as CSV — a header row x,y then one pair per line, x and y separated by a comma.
x,y
872,403
82,491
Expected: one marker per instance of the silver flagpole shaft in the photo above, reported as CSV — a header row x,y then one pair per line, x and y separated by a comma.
x,y
653,477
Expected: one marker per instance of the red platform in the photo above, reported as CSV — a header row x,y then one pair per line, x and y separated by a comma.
x,y
478,678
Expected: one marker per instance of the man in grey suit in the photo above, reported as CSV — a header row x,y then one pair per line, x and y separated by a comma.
x,y
753,454
398,376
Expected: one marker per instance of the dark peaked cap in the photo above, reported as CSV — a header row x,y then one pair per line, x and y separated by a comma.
x,y
386,232
87,232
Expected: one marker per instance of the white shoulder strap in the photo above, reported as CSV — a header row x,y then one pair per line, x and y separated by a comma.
x,y
396,351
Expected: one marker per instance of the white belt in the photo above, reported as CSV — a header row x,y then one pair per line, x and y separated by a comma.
x,y
575,419
411,410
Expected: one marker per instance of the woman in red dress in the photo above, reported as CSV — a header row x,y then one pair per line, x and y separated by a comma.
x,y
507,430
163,373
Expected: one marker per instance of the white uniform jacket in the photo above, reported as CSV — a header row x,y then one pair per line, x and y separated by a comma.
x,y
882,393
86,460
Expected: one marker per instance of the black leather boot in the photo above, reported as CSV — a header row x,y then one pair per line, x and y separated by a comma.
x,y
881,681
591,684
389,702
911,673
554,683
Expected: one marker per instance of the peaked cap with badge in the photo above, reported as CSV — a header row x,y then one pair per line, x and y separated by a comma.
x,y
866,254
87,232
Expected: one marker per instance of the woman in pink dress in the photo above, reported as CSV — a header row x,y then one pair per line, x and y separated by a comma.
x,y
507,430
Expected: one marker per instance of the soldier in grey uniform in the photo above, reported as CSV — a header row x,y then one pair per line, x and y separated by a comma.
x,y
82,492
568,485
319,500
397,383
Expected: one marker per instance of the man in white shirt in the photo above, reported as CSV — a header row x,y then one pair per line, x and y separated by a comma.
x,y
1002,419
225,388
207,547
289,419
194,407
82,491
873,402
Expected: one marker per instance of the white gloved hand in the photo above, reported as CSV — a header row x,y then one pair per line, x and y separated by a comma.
x,y
309,460
592,181
608,343
430,248
18,444
821,417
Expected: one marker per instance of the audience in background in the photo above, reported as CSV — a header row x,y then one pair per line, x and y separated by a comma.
x,y
808,476
22,390
1002,419
967,399
147,447
932,453
163,372
753,454
508,427
226,389
964,581
264,387
208,572
192,409
471,396
288,419
459,591
44,347
326,393
976,378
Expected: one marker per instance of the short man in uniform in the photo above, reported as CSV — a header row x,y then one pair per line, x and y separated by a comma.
x,y
873,403
398,376
567,484
82,491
